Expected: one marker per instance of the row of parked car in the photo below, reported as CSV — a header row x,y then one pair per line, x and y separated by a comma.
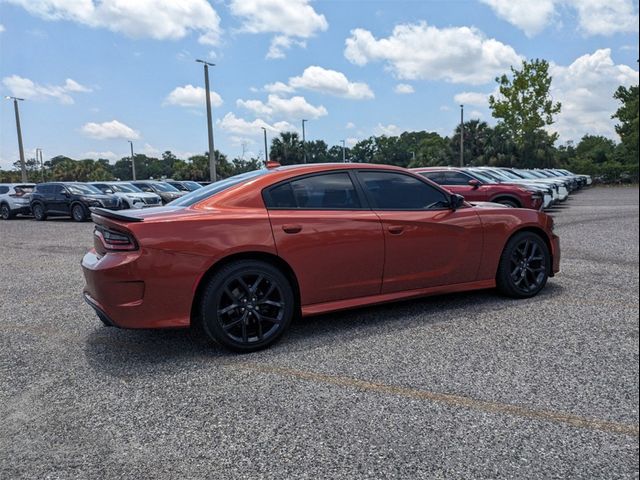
x,y
536,189
75,199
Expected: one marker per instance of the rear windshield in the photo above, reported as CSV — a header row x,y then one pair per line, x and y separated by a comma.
x,y
217,187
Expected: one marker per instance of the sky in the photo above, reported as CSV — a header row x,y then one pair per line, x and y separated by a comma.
x,y
96,74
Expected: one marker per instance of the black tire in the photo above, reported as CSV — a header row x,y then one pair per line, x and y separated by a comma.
x,y
247,305
524,266
508,202
39,212
5,212
78,212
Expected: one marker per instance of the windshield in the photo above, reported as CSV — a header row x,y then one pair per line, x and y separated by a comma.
x,y
192,185
528,175
488,173
82,189
163,187
124,187
217,187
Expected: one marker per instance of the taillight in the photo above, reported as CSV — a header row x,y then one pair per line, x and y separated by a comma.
x,y
114,240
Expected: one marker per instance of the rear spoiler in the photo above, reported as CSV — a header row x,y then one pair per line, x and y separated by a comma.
x,y
103,212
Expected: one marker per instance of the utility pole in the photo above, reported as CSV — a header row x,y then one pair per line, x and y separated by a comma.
x,y
344,158
133,161
212,151
23,166
266,152
304,142
40,162
462,135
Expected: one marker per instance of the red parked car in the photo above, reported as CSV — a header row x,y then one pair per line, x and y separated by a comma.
x,y
459,181
243,256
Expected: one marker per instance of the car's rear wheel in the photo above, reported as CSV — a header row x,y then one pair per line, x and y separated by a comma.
x,y
524,266
38,212
247,305
78,213
5,212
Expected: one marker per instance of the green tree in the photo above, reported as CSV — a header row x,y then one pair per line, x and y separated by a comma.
x,y
595,148
287,149
627,114
525,107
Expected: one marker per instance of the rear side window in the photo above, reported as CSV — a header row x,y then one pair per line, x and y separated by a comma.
x,y
332,191
4,190
396,191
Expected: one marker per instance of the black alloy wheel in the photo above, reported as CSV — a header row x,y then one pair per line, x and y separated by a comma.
x,y
78,213
247,306
524,266
38,212
5,212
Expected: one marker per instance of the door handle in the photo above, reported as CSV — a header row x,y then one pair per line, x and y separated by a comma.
x,y
288,228
395,229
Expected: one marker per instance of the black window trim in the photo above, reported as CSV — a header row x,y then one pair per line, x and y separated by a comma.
x,y
418,177
364,203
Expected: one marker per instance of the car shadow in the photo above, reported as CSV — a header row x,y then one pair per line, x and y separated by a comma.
x,y
141,353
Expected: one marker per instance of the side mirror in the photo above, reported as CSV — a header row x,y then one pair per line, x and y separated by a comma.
x,y
66,194
475,183
108,191
456,201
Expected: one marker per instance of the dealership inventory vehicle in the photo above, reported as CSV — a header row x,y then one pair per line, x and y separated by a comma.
x,y
14,199
132,197
165,191
243,256
72,199
477,188
184,185
561,193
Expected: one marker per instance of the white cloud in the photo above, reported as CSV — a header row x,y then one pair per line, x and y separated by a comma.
x,y
108,155
403,89
423,52
595,17
190,96
240,126
289,108
332,82
280,43
109,130
390,130
445,108
531,17
157,19
585,88
28,89
351,141
279,87
286,18
350,125
472,98
2,29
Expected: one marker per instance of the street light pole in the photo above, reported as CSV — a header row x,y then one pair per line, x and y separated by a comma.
x,y
23,166
266,152
133,160
304,142
40,162
462,135
344,158
212,151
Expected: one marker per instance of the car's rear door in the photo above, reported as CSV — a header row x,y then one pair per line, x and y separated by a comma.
x,y
325,231
426,243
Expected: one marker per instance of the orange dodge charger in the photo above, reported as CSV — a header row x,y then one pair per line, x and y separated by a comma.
x,y
244,255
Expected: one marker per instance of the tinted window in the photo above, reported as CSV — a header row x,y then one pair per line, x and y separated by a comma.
x,y
4,190
144,187
216,187
437,177
55,189
455,178
395,191
333,191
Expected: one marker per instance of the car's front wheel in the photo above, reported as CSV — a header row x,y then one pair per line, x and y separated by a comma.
x,y
38,212
247,305
524,266
78,213
5,212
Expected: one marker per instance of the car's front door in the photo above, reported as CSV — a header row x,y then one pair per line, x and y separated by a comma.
x,y
427,244
326,233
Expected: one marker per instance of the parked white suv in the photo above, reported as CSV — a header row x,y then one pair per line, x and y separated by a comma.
x,y
130,195
14,199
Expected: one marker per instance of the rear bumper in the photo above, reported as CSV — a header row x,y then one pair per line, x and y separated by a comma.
x,y
142,289
21,209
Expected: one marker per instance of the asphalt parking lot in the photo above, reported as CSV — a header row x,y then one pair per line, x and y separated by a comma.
x,y
459,386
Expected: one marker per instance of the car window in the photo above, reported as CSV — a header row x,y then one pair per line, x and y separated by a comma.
x,y
4,190
437,177
82,189
455,178
55,189
216,187
143,186
330,191
396,191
